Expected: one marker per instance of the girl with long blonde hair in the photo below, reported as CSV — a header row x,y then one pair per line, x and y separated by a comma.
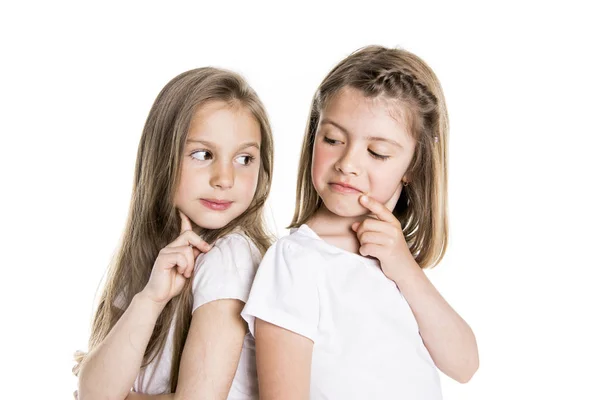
x,y
341,308
168,321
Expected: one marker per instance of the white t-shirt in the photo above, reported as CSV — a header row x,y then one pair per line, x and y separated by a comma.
x,y
225,272
366,338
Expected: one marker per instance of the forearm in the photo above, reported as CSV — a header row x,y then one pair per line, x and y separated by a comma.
x,y
110,369
448,338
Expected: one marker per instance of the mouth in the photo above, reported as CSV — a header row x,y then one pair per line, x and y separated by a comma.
x,y
216,204
341,187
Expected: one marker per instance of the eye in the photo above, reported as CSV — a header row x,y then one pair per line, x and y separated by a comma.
x,y
245,159
330,141
201,155
378,156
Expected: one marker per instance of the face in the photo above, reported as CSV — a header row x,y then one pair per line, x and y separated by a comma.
x,y
361,147
220,166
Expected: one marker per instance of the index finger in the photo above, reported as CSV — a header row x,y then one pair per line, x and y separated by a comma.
x,y
186,224
378,209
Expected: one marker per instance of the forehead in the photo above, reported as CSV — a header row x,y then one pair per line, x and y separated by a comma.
x,y
363,116
225,123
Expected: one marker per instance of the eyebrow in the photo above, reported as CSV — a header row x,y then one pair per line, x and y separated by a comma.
x,y
386,140
371,138
211,144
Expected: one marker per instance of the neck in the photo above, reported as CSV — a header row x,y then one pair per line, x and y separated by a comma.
x,y
335,230
326,223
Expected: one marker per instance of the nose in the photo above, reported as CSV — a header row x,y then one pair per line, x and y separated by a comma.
x,y
348,163
222,176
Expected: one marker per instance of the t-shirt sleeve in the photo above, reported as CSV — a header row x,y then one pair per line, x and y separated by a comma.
x,y
285,291
226,271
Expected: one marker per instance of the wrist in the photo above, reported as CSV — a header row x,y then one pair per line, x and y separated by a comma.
x,y
147,301
409,274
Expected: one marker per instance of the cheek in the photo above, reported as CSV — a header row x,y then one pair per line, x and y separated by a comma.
x,y
247,181
185,185
384,182
323,158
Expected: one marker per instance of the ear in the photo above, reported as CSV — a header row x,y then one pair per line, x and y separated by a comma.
x,y
405,180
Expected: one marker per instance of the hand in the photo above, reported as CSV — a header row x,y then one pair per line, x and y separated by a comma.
x,y
175,263
381,236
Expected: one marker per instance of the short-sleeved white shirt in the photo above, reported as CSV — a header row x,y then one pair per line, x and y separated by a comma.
x,y
366,338
225,272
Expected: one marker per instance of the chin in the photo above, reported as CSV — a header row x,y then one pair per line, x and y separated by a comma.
x,y
211,222
344,208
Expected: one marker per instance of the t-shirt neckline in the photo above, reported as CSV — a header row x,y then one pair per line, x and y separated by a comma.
x,y
307,230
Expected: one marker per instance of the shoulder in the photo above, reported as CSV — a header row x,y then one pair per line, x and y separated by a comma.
x,y
295,250
226,271
236,241
304,242
235,249
285,290
300,240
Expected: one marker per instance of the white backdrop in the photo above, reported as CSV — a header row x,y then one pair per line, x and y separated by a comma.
x,y
77,81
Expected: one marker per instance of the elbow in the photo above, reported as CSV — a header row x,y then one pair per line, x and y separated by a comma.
x,y
467,371
461,370
82,394
85,392
469,365
465,378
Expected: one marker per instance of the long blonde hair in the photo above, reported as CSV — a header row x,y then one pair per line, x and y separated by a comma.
x,y
153,221
401,76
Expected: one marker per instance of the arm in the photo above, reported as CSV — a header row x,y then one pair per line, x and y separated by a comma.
x,y
211,353
448,338
111,368
283,360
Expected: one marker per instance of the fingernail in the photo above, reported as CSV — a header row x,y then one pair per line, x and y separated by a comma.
x,y
364,199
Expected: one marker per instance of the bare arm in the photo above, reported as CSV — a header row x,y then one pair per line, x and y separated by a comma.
x,y
111,368
448,338
211,353
283,360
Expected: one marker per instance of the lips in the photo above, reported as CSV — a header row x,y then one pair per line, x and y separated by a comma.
x,y
216,204
342,187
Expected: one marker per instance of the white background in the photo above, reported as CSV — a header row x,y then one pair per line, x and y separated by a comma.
x,y
77,81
